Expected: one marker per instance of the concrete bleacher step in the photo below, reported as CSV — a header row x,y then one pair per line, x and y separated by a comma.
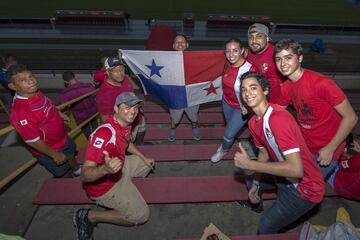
x,y
158,190
203,118
151,107
207,133
173,153
279,236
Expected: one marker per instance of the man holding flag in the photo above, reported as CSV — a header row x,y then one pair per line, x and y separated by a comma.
x,y
181,43
181,79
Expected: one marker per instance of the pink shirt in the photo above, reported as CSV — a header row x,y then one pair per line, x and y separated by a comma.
x,y
113,138
265,63
36,118
84,108
314,97
287,135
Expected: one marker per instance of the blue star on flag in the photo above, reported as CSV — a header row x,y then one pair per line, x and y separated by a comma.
x,y
154,69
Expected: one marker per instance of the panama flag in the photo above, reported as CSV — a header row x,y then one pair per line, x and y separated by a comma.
x,y
179,79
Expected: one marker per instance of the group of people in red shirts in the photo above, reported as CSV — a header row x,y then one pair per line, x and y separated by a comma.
x,y
297,155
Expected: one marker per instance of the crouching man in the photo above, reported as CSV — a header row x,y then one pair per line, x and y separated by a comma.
x,y
300,185
107,172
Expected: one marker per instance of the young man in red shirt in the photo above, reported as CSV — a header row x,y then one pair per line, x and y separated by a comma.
x,y
324,113
107,172
261,55
40,124
300,185
116,83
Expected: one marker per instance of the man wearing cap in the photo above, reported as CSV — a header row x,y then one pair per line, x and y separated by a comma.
x,y
107,171
116,83
261,56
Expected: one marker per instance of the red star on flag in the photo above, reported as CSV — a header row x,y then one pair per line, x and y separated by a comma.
x,y
211,89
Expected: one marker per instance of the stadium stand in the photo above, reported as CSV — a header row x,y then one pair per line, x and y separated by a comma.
x,y
82,17
18,22
236,21
316,28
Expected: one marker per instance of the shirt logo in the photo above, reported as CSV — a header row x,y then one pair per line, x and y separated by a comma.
x,y
23,122
98,142
345,164
264,67
268,133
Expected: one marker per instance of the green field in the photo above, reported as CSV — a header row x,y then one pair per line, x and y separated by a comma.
x,y
293,11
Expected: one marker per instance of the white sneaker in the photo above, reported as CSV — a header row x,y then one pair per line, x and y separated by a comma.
x,y
220,153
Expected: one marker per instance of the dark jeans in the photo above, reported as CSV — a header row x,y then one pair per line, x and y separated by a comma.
x,y
288,207
59,170
326,171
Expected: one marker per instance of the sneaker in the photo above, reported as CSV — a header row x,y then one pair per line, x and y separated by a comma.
x,y
220,153
196,133
172,134
257,208
77,173
84,228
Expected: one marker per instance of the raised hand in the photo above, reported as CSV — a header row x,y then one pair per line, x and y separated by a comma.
x,y
241,159
112,165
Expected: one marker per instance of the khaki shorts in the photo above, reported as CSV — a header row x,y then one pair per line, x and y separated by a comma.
x,y
124,196
191,112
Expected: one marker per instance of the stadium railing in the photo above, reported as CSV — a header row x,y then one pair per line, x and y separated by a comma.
x,y
27,165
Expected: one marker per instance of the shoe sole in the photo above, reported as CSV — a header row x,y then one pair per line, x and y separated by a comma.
x,y
76,225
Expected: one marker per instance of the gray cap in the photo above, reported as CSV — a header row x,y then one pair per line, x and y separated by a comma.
x,y
112,62
258,28
129,98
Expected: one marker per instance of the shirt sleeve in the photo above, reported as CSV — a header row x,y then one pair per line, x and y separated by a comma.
x,y
98,143
326,86
26,126
283,127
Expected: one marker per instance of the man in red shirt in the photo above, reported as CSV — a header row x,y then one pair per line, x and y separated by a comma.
x,y
107,172
300,185
116,83
40,124
84,108
261,56
324,113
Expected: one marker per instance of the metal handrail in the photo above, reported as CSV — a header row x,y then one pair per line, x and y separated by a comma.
x,y
27,165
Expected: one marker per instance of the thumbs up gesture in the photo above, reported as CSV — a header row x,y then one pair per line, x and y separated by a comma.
x,y
112,165
241,158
